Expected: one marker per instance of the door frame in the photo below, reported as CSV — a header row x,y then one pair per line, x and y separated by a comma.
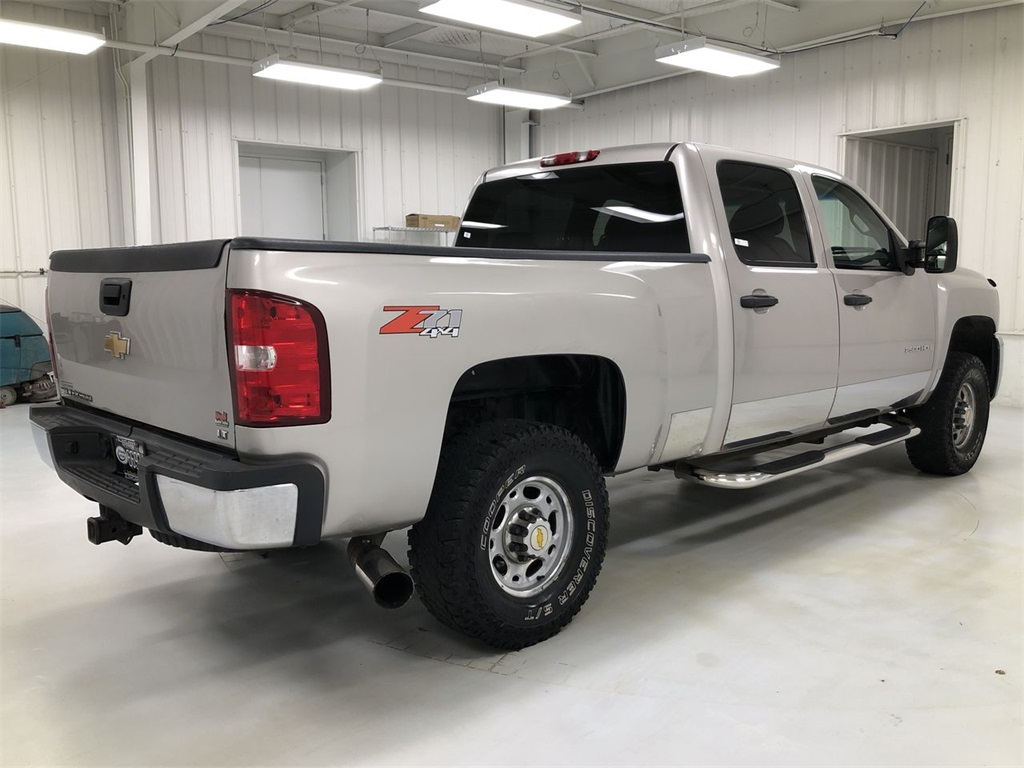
x,y
308,159
250,148
959,158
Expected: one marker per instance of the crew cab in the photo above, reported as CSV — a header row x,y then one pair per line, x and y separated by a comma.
x,y
674,307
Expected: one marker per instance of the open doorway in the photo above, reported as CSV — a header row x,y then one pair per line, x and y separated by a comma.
x,y
909,171
296,192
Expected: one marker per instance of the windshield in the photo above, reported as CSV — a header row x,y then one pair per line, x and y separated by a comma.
x,y
632,207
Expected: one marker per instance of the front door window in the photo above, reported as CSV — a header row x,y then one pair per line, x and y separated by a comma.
x,y
857,235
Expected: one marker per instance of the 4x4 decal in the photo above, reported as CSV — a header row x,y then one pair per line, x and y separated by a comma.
x,y
424,321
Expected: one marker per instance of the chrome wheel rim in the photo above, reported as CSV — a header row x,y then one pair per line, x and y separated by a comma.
x,y
531,536
963,415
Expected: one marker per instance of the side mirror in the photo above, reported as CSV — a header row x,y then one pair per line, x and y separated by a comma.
x,y
910,257
940,245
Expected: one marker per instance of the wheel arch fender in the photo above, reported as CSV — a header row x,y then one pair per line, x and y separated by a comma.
x,y
583,393
967,312
976,334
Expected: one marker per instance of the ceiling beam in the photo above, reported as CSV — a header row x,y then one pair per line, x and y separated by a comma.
x,y
390,8
798,47
242,31
586,72
157,50
630,13
199,16
199,20
407,33
703,10
310,12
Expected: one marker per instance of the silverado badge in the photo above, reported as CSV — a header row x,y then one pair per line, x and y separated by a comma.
x,y
117,346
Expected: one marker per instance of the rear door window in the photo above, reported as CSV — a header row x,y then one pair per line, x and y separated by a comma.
x,y
767,222
632,207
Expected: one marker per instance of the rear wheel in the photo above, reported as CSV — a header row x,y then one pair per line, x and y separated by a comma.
x,y
954,420
514,535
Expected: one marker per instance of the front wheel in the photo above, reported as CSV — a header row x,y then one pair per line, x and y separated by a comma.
x,y
514,535
954,420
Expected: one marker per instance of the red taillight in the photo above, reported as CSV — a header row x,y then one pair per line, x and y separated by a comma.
x,y
277,350
568,158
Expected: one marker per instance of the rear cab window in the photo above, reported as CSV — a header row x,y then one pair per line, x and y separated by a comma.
x,y
629,207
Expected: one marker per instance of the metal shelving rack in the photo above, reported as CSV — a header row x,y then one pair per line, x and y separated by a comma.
x,y
389,233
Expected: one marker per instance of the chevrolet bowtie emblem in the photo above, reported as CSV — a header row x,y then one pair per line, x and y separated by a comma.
x,y
117,346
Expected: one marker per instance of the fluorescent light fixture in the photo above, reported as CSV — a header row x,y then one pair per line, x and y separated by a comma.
x,y
313,74
698,53
496,93
516,16
50,38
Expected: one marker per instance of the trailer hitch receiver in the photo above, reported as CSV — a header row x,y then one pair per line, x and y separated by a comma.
x,y
110,526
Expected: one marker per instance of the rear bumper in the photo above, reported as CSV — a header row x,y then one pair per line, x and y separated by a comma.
x,y
183,487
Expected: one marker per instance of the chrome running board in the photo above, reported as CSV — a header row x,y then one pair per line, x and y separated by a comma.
x,y
762,474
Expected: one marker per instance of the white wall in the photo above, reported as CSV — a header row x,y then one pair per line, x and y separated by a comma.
x,y
59,162
418,151
62,148
967,66
60,153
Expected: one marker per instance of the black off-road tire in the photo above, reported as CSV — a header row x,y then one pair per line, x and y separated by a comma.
x,y
948,444
452,551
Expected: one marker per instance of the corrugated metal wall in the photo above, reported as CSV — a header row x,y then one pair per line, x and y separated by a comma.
x,y
59,163
872,163
967,66
60,174
419,151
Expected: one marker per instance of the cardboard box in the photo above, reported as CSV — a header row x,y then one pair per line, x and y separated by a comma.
x,y
431,220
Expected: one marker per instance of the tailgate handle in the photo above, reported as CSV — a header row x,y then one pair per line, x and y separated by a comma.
x,y
115,296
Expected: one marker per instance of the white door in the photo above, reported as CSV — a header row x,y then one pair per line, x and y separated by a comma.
x,y
282,197
785,318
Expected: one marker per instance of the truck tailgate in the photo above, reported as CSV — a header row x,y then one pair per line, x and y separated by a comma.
x,y
139,333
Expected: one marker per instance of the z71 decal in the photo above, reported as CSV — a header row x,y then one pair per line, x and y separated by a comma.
x,y
424,321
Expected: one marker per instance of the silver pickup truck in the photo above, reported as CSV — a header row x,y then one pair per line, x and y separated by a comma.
x,y
669,306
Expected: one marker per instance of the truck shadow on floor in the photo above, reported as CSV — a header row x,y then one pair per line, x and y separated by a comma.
x,y
656,519
304,610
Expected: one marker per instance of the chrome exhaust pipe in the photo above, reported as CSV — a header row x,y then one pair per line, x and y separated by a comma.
x,y
388,582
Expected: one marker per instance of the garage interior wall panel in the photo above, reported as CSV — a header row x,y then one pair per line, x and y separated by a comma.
x,y
870,163
419,151
59,163
968,67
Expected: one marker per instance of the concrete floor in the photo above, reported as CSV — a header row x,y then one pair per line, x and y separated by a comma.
x,y
861,614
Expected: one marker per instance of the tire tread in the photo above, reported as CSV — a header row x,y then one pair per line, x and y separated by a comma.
x,y
933,450
442,557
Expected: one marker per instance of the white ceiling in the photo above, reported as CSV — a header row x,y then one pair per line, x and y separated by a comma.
x,y
612,48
